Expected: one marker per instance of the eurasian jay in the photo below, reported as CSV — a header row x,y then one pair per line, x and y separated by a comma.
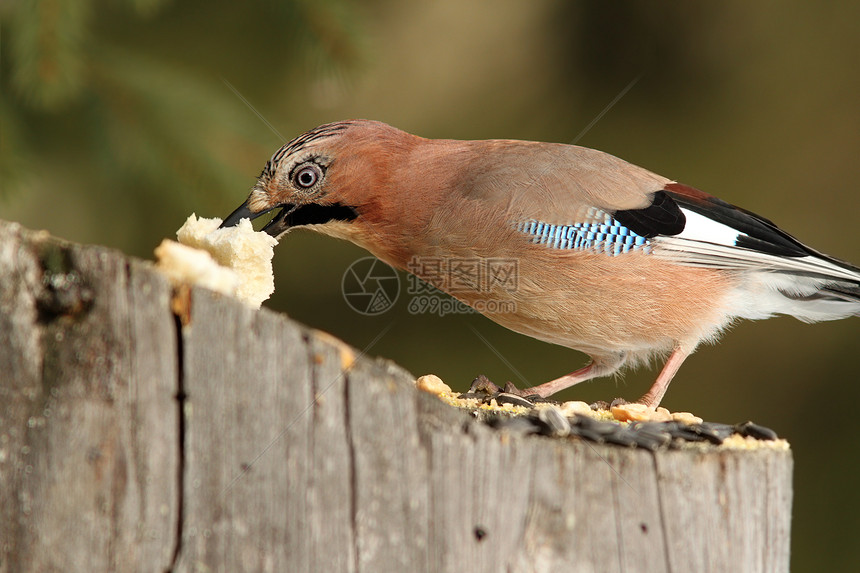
x,y
610,259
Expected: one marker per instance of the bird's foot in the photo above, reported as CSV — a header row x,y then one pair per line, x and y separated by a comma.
x,y
483,386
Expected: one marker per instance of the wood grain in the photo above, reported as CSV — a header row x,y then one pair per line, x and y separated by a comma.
x,y
88,433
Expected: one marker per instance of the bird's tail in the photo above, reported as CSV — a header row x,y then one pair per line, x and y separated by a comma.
x,y
813,296
802,282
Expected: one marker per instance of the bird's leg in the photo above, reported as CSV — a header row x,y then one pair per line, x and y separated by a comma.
x,y
484,385
591,370
658,389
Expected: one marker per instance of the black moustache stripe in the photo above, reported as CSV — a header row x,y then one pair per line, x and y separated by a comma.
x,y
313,214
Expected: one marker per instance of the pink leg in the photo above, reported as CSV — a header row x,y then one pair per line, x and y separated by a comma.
x,y
658,389
591,370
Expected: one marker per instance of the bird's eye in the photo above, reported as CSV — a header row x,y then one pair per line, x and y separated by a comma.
x,y
307,176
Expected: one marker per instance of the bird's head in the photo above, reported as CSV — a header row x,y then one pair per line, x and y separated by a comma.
x,y
334,178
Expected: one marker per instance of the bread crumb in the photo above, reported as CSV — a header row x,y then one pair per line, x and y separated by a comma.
x,y
432,384
236,261
641,413
660,415
506,408
183,264
632,412
686,418
573,407
738,442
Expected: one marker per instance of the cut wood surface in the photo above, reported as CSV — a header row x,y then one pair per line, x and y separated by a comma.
x,y
231,439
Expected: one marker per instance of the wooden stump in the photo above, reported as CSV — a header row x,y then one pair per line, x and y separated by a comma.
x,y
238,440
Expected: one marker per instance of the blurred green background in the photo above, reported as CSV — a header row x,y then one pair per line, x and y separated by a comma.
x,y
121,118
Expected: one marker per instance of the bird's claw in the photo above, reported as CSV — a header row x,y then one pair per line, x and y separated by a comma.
x,y
511,389
483,385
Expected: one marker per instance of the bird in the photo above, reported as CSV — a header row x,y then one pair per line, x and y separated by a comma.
x,y
562,243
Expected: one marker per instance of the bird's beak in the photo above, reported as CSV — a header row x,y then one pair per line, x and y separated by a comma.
x,y
241,212
277,226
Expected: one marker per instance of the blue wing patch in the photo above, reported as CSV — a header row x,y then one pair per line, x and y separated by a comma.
x,y
603,235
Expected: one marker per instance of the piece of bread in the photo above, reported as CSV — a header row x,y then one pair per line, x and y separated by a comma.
x,y
236,261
